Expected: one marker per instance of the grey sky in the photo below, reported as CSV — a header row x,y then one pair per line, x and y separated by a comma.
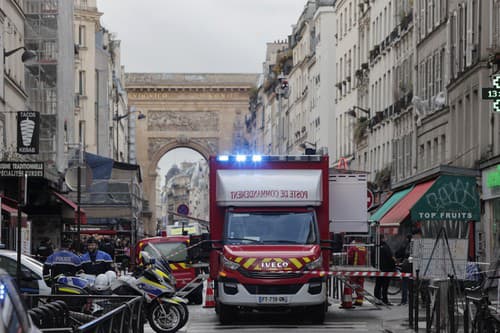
x,y
198,36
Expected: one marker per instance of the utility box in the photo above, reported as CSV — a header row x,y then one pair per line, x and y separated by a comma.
x,y
348,202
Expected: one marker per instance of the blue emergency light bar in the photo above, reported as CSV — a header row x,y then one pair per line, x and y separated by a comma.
x,y
262,158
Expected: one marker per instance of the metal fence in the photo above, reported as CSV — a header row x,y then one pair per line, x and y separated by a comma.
x,y
56,313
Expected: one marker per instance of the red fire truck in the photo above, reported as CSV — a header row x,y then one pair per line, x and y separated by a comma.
x,y
268,218
174,248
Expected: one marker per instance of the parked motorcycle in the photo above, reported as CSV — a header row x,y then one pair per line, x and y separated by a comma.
x,y
86,284
165,312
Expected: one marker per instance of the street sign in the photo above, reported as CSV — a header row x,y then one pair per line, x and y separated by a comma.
x,y
19,169
28,132
369,199
183,209
493,93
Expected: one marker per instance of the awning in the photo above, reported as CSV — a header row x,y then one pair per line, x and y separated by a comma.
x,y
389,203
451,198
401,210
74,206
12,212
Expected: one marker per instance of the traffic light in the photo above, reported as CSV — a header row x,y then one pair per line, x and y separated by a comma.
x,y
284,84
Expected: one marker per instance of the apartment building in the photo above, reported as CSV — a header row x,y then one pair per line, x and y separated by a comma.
x,y
13,94
347,61
101,99
321,80
302,45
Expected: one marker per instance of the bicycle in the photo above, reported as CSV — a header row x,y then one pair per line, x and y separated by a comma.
x,y
483,321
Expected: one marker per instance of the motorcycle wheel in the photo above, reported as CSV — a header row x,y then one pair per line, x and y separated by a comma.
x,y
183,308
165,318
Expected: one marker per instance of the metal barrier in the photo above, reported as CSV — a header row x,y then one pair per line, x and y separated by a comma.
x,y
334,287
126,318
123,317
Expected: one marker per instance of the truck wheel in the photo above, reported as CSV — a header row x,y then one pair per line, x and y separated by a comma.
x,y
227,314
317,313
196,296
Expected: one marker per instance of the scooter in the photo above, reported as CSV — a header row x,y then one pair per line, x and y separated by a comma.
x,y
165,312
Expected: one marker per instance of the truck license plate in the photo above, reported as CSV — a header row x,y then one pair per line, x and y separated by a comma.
x,y
273,300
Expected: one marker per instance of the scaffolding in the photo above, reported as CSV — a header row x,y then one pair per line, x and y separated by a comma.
x,y
48,75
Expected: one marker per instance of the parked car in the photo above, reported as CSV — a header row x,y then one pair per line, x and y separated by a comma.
x,y
32,272
13,313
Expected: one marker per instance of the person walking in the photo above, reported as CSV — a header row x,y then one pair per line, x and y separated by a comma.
x,y
387,263
356,256
95,261
62,261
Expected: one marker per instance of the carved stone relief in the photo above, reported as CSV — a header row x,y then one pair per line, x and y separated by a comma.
x,y
209,144
183,121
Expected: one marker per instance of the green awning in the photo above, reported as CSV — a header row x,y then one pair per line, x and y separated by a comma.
x,y
450,198
389,203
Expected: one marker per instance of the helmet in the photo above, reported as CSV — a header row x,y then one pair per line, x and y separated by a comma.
x,y
111,275
101,282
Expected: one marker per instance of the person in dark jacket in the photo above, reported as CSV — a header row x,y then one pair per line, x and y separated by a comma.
x,y
402,257
387,263
95,261
106,245
62,261
44,250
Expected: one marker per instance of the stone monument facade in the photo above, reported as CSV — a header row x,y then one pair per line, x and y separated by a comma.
x,y
196,111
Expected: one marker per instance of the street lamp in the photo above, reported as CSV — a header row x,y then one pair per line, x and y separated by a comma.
x,y
352,111
117,118
27,54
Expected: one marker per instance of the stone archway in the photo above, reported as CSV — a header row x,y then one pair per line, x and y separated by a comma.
x,y
204,112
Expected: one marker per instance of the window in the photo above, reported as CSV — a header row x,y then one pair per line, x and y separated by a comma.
x,y
81,82
271,228
350,15
175,252
81,36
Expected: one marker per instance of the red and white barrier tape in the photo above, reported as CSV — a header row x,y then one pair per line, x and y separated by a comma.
x,y
347,273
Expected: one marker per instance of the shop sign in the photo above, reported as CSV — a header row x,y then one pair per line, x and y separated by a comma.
x,y
19,169
449,198
28,132
491,182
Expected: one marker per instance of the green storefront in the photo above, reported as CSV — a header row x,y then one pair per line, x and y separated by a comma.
x,y
449,201
491,198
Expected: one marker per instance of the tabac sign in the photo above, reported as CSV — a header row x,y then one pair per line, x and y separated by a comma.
x,y
28,131
452,198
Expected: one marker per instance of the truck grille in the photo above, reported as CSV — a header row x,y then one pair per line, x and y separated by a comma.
x,y
286,289
269,275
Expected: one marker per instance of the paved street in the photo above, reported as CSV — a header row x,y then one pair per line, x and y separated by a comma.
x,y
364,319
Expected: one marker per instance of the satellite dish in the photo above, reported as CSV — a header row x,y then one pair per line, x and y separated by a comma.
x,y
71,177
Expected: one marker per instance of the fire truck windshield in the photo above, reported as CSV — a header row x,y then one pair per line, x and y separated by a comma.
x,y
271,228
